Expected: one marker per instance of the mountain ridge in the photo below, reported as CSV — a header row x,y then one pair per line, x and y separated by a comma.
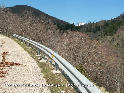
x,y
20,9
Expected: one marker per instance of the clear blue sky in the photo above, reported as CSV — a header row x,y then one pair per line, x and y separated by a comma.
x,y
74,10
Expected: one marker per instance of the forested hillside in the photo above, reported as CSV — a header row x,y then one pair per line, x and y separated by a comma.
x,y
95,49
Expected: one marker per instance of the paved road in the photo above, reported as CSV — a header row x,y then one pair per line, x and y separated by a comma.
x,y
27,76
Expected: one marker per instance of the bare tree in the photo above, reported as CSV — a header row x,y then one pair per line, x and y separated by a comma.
x,y
2,7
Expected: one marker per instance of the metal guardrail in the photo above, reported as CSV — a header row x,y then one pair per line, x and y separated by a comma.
x,y
79,80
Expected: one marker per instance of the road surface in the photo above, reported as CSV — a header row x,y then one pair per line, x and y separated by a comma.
x,y
24,78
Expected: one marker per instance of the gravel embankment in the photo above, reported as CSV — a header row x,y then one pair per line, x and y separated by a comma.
x,y
22,75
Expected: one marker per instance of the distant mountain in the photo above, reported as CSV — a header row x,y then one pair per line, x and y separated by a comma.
x,y
21,9
103,28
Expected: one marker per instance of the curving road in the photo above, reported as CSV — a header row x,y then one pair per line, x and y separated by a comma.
x,y
25,78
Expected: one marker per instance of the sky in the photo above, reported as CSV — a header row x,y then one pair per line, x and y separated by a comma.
x,y
74,11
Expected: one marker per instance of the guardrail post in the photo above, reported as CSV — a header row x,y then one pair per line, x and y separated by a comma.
x,y
38,51
56,66
21,40
50,61
28,44
24,42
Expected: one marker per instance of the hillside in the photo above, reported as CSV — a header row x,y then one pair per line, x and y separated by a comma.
x,y
99,61
20,10
103,28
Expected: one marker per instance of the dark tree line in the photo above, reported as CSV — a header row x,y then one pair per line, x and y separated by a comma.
x,y
104,27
